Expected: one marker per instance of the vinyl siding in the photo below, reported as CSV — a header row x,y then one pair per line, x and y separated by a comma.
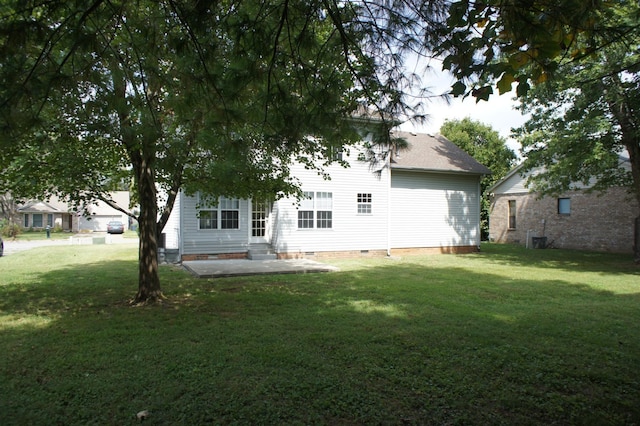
x,y
212,241
350,230
172,227
514,184
434,210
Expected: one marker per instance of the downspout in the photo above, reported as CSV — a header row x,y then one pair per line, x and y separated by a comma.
x,y
181,227
389,205
479,234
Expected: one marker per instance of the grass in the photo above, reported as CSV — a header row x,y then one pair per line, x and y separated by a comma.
x,y
39,235
42,235
505,336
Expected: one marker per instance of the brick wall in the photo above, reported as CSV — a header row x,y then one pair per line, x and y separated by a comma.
x,y
596,222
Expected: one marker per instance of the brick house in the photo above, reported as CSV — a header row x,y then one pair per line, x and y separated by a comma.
x,y
575,219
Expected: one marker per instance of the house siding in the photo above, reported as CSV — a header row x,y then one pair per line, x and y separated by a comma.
x,y
350,230
197,241
598,222
412,211
434,210
171,229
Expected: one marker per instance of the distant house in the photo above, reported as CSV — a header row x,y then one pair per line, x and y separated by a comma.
x,y
576,219
56,213
423,199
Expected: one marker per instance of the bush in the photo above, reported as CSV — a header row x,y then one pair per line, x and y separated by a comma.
x,y
10,230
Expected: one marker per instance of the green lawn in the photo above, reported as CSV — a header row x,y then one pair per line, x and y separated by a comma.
x,y
505,336
42,235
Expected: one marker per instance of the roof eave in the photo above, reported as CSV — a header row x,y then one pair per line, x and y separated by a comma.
x,y
446,171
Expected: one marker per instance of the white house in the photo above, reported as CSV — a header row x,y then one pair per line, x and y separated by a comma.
x,y
425,198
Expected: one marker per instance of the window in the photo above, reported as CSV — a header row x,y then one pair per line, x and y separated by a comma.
x,y
305,211
208,219
334,154
229,213
364,203
564,205
324,206
37,220
512,214
50,220
318,206
223,215
26,220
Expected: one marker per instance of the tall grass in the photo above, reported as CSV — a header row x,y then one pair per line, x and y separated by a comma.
x,y
505,336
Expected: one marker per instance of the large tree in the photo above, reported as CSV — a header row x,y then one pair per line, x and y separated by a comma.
x,y
489,148
585,124
219,96
209,96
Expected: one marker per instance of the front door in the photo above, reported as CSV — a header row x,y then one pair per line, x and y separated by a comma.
x,y
260,212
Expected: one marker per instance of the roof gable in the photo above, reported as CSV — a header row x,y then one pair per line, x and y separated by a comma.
x,y
435,153
36,206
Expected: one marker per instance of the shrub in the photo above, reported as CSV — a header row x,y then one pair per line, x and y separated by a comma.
x,y
10,230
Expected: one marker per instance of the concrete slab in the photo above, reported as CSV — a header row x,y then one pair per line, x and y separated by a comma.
x,y
239,267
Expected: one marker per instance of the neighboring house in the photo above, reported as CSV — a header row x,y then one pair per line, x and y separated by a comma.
x,y
57,213
576,219
424,199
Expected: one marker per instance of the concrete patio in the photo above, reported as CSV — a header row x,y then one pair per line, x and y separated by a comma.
x,y
239,267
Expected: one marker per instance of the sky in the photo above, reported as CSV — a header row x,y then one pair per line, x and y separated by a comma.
x,y
498,113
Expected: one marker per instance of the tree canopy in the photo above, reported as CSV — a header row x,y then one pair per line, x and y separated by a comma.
x,y
525,42
220,96
583,130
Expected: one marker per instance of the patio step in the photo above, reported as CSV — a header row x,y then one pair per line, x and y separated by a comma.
x,y
261,252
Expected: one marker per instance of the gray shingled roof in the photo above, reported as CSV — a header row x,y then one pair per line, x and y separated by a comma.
x,y
435,153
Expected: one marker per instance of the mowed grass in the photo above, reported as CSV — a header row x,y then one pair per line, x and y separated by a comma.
x,y
505,336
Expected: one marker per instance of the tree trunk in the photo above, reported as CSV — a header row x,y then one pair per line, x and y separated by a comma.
x,y
636,240
148,279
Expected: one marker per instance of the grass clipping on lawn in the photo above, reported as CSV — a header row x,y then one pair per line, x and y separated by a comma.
x,y
504,336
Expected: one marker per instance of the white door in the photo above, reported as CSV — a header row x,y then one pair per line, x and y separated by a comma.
x,y
260,213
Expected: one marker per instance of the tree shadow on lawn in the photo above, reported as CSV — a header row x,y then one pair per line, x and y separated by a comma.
x,y
393,344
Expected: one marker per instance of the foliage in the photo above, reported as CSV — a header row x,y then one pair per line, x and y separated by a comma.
x,y
9,209
583,131
505,336
8,229
489,148
524,42
578,129
171,95
219,97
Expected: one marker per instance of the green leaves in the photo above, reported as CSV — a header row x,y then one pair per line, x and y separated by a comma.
x,y
526,41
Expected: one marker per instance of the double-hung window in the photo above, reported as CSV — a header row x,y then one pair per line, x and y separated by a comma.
x,y
223,214
316,210
364,203
324,206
